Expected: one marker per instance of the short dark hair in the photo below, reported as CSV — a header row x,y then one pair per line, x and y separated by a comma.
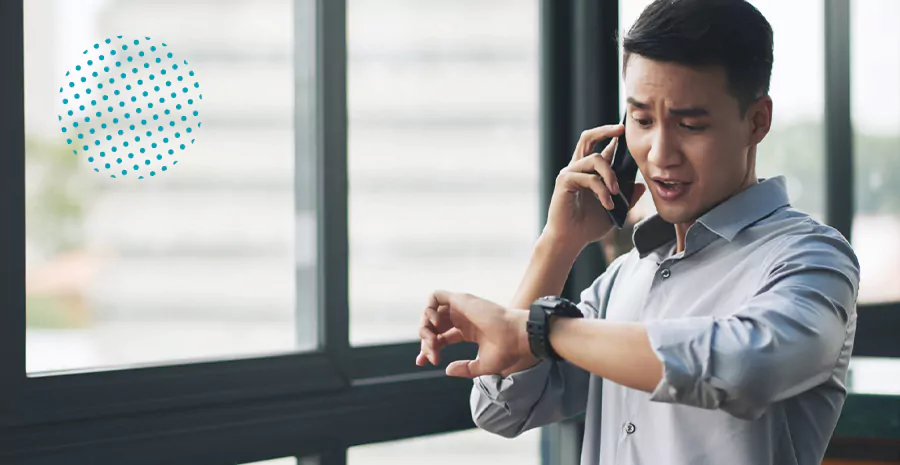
x,y
728,33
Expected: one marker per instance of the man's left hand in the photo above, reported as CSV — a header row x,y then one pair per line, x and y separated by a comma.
x,y
499,332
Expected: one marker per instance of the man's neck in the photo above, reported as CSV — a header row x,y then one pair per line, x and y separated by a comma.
x,y
681,229
680,234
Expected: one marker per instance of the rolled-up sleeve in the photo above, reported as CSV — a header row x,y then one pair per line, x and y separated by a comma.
x,y
544,394
782,341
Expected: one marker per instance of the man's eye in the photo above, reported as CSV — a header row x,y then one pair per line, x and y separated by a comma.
x,y
642,122
693,128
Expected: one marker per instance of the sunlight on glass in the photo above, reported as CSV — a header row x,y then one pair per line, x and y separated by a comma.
x,y
875,109
443,155
206,262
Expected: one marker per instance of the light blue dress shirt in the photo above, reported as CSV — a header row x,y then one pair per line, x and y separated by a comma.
x,y
753,322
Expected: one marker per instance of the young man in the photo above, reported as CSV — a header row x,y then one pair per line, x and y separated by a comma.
x,y
725,335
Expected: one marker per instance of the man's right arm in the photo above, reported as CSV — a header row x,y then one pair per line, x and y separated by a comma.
x,y
532,392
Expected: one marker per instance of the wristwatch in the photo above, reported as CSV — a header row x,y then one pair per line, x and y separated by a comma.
x,y
538,326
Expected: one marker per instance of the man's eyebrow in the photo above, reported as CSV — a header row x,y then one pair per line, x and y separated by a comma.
x,y
689,112
686,112
635,103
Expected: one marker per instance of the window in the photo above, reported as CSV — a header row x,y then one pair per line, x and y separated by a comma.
x,y
210,259
874,375
472,447
442,157
794,146
875,110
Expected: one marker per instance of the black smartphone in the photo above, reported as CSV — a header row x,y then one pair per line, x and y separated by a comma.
x,y
626,169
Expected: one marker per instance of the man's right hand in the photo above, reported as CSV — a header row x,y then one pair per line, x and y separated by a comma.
x,y
578,208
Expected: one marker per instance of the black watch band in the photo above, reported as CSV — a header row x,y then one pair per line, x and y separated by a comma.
x,y
538,326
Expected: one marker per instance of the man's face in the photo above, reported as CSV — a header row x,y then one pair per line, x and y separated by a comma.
x,y
684,126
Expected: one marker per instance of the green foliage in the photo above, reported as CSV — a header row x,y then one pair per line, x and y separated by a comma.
x,y
55,196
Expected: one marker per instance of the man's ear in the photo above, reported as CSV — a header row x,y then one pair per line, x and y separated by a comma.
x,y
759,115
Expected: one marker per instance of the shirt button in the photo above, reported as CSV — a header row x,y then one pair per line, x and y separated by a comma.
x,y
666,273
629,428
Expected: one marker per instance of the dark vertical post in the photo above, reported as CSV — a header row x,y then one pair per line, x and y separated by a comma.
x,y
579,90
555,95
333,262
12,209
838,130
595,102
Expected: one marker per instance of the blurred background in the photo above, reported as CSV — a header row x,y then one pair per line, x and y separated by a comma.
x,y
216,259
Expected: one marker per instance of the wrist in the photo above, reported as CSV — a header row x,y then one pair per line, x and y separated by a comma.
x,y
519,323
518,319
554,245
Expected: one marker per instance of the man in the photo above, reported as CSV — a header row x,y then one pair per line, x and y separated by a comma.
x,y
725,335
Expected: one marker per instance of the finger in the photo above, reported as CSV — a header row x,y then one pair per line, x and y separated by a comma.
x,y
425,322
453,336
421,359
589,137
429,345
427,333
439,298
465,369
597,165
610,148
432,315
432,345
573,181
439,319
639,189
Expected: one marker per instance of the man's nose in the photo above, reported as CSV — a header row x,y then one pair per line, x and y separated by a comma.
x,y
664,150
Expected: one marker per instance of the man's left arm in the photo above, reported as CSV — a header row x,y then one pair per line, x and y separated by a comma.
x,y
781,342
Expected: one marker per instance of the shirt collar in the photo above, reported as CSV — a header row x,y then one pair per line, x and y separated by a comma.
x,y
725,220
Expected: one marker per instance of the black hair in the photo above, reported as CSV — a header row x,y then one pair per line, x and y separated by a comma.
x,y
732,34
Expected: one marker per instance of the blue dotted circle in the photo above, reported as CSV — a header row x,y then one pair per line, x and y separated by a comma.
x,y
108,127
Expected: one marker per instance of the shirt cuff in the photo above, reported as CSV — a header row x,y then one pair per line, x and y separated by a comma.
x,y
499,389
683,346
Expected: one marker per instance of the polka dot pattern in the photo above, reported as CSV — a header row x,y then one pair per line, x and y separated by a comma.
x,y
120,102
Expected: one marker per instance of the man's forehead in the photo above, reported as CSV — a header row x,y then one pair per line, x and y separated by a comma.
x,y
648,81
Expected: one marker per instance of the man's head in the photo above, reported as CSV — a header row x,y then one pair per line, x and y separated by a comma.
x,y
696,81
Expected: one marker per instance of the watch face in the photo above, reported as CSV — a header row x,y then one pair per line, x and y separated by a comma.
x,y
559,306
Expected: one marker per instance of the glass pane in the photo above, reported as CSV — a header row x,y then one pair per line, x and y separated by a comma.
x,y
793,147
443,155
874,375
470,447
875,109
206,258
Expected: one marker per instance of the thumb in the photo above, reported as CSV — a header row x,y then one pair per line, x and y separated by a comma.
x,y
639,189
465,369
